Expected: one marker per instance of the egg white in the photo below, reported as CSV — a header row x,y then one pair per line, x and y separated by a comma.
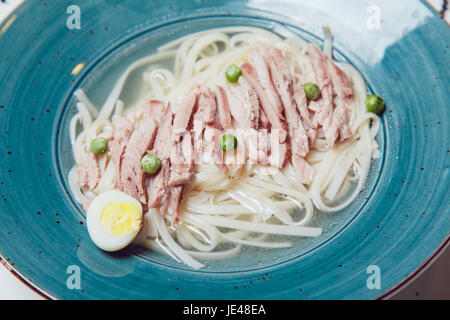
x,y
99,235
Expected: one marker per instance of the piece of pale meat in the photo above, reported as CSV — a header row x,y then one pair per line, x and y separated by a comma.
x,y
132,177
319,63
273,111
122,130
331,80
223,112
279,69
158,185
158,189
244,105
299,143
88,172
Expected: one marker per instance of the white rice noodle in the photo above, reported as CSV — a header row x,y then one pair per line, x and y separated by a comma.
x,y
327,42
108,106
253,243
86,118
120,106
218,255
82,98
73,185
262,227
73,128
157,246
178,251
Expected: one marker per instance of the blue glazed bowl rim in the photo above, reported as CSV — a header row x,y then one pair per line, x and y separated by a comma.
x,y
388,293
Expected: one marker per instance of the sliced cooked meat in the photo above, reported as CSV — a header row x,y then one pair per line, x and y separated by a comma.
x,y
263,147
263,120
319,63
158,187
251,101
252,145
223,115
184,112
246,110
223,109
122,131
163,141
132,178
339,126
174,202
341,83
159,190
298,137
315,107
206,128
301,103
171,149
278,151
312,135
257,145
181,160
330,77
244,105
212,138
281,77
88,172
206,106
302,169
154,109
272,112
181,154
262,73
344,91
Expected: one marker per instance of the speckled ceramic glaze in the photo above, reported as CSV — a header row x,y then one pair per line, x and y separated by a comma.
x,y
399,221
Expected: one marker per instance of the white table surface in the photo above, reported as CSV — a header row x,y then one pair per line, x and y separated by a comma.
x,y
434,283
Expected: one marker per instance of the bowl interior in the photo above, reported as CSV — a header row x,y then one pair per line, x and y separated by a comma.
x,y
399,221
99,79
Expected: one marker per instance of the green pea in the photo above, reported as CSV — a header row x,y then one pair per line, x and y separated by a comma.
x,y
312,91
374,103
233,73
228,142
150,163
99,146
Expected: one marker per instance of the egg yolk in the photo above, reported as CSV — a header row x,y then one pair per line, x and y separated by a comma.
x,y
121,218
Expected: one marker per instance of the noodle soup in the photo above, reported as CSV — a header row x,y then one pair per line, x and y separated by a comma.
x,y
232,200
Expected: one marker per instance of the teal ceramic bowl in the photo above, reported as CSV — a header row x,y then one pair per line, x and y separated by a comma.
x,y
393,230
